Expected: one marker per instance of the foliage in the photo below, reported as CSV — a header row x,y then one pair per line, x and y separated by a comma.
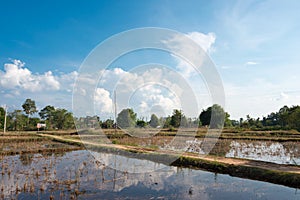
x,y
126,118
2,114
141,123
17,121
178,119
215,117
109,123
58,118
154,121
29,107
46,113
63,119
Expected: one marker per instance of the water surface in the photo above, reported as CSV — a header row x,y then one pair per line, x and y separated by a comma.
x,y
78,175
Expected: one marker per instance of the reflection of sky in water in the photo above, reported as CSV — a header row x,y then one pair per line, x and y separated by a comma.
x,y
272,152
95,181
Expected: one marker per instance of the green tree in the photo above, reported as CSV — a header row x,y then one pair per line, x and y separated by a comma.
x,y
294,118
154,121
2,114
283,116
178,119
166,121
141,123
16,120
63,119
29,108
47,114
213,116
227,122
109,123
126,118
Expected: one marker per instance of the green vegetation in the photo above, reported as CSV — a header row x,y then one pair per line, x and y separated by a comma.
x,y
126,118
55,118
287,118
154,121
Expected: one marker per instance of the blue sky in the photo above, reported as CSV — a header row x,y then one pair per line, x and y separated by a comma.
x,y
256,47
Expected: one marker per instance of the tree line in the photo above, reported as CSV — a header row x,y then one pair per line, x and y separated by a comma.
x,y
24,119
28,117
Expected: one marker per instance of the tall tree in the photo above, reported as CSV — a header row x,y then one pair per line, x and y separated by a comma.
x,y
178,119
63,119
47,114
29,108
17,120
154,121
109,123
126,118
2,114
294,118
213,116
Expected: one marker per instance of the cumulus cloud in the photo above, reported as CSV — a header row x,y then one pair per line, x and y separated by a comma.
x,y
18,83
16,76
103,102
144,90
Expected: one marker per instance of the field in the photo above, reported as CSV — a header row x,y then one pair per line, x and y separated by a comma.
x,y
30,160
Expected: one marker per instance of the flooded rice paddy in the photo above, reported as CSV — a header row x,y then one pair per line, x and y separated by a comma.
x,y
77,175
267,151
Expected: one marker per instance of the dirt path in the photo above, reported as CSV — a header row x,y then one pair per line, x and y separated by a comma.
x,y
228,161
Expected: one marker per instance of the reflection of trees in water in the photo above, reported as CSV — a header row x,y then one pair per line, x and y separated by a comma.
x,y
26,159
50,154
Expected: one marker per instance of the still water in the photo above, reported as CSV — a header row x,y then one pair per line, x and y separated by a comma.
x,y
268,151
77,175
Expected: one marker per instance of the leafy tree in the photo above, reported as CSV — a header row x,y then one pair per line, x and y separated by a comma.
x,y
2,114
17,120
205,116
165,121
283,116
176,118
29,108
109,123
218,116
63,119
141,123
227,122
294,118
47,114
154,121
126,118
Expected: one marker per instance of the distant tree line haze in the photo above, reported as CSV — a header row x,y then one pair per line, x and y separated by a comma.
x,y
28,117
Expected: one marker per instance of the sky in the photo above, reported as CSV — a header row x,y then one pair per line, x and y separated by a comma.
x,y
254,46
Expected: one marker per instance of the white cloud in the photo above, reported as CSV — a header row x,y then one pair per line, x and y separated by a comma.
x,y
205,41
18,83
144,90
183,48
103,102
16,76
